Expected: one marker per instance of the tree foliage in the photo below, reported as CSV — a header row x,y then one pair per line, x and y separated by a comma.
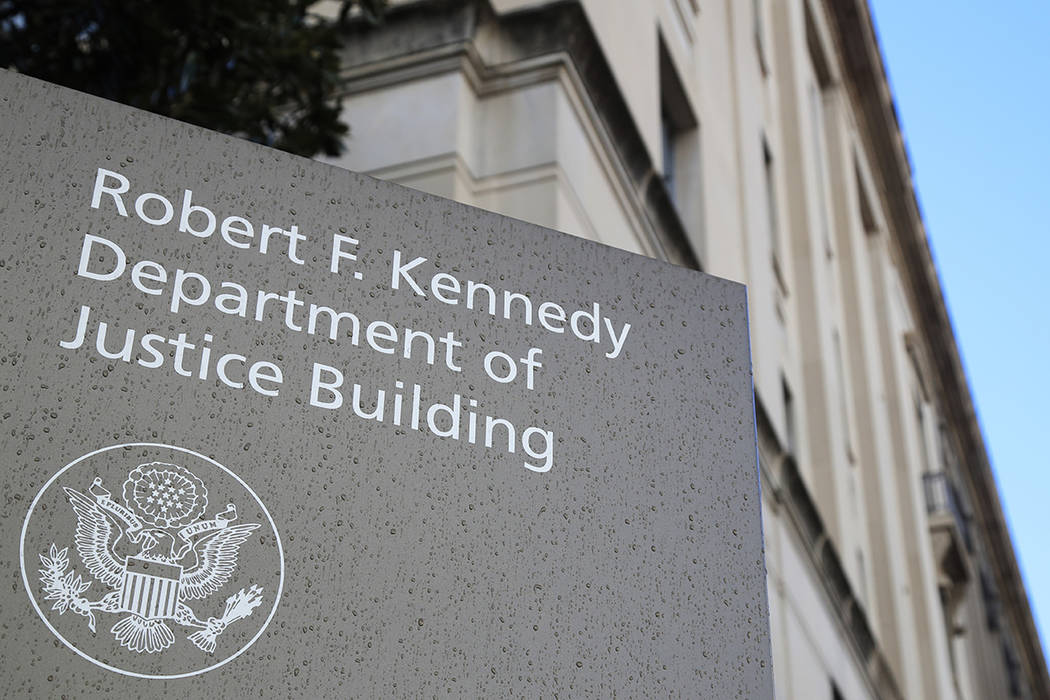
x,y
265,70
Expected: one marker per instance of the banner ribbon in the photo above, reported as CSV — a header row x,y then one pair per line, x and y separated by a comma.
x,y
132,524
199,528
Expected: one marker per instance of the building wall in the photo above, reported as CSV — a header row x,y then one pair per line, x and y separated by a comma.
x,y
732,130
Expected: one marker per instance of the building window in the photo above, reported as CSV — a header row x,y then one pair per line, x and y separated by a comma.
x,y
758,8
867,209
680,148
920,421
819,85
772,214
1013,670
844,394
990,598
668,136
789,418
862,577
816,100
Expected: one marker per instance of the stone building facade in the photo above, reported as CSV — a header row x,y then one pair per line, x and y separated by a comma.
x,y
756,140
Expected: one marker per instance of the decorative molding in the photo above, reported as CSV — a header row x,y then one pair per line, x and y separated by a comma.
x,y
453,162
548,43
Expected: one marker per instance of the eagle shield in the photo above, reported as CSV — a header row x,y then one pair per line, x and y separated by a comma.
x,y
150,589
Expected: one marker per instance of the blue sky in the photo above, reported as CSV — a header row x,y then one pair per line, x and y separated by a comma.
x,y
972,85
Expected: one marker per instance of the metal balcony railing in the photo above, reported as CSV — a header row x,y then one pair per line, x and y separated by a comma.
x,y
943,499
942,505
940,495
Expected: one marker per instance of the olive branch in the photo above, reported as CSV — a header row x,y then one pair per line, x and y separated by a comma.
x,y
64,588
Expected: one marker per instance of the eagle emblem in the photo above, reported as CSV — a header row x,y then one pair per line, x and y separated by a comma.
x,y
158,552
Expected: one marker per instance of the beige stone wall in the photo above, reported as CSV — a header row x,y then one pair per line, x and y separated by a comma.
x,y
775,187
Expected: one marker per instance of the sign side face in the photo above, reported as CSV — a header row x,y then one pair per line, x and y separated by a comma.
x,y
271,427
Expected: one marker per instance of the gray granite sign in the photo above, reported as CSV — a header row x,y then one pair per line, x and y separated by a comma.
x,y
271,428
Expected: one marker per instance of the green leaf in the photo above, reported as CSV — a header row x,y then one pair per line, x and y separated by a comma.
x,y
265,70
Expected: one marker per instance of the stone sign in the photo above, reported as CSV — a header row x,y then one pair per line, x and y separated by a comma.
x,y
272,428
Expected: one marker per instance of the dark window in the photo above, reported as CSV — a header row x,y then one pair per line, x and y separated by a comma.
x,y
678,132
867,210
771,200
990,598
757,11
1013,670
789,418
668,137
